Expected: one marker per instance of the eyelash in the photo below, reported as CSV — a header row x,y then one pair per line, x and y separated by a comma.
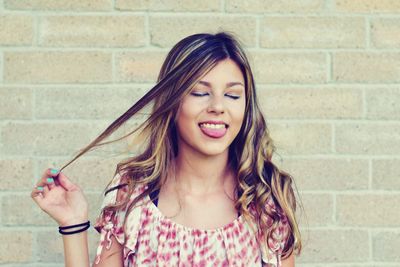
x,y
231,96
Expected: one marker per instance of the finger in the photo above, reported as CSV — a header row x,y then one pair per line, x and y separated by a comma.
x,y
48,178
45,190
50,182
39,198
37,195
46,183
52,173
65,182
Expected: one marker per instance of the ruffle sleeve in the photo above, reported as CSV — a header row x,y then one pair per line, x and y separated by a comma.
x,y
278,241
111,222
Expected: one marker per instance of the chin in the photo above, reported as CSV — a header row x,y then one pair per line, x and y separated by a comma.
x,y
214,151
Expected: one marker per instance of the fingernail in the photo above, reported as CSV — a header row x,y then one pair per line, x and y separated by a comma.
x,y
53,171
40,188
50,180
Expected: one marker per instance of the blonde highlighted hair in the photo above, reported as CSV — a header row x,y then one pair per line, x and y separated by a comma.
x,y
250,153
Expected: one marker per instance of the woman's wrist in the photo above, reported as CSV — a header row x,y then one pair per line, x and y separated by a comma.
x,y
73,221
74,229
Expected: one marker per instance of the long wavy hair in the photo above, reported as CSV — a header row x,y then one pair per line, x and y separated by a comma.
x,y
250,153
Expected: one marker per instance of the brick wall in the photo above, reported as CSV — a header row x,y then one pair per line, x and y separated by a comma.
x,y
327,72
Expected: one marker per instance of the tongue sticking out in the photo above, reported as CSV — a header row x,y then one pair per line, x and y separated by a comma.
x,y
213,132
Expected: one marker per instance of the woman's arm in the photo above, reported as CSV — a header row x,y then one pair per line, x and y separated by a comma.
x,y
111,257
76,250
65,202
288,262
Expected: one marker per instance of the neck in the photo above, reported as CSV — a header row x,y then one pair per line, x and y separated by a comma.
x,y
198,174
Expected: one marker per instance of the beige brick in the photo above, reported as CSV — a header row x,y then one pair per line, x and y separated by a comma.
x,y
331,103
86,102
318,210
368,210
328,173
16,174
29,213
385,174
139,66
368,138
390,6
97,31
284,6
73,5
386,246
1,67
95,201
288,67
335,246
166,31
312,32
366,67
383,103
52,250
16,30
89,173
15,246
57,67
170,5
301,138
51,139
15,103
385,32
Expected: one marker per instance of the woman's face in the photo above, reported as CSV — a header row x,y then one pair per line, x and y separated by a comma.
x,y
211,115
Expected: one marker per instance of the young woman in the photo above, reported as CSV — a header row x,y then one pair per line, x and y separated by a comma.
x,y
203,190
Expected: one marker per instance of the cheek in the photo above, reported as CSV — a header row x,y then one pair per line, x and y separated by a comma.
x,y
238,114
186,118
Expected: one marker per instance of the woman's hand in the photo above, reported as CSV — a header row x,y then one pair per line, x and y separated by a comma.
x,y
63,200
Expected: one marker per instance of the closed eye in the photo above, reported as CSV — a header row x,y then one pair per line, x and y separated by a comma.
x,y
204,94
233,96
198,94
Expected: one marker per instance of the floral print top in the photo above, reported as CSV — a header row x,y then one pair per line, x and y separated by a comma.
x,y
155,240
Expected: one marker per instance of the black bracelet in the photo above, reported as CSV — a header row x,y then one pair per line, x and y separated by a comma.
x,y
72,226
86,226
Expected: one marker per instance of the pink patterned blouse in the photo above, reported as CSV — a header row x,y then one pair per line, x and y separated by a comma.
x,y
155,240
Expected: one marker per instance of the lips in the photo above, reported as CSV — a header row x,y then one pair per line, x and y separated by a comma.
x,y
214,123
214,129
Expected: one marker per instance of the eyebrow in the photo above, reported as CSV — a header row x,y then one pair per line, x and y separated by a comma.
x,y
230,84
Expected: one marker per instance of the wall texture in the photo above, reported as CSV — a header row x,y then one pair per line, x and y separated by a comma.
x,y
327,72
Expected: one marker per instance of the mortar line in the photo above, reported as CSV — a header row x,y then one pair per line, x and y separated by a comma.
x,y
36,36
330,68
370,240
258,32
333,138
1,67
186,13
368,33
286,50
334,204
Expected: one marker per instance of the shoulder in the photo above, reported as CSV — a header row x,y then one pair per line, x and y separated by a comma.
x,y
118,186
118,190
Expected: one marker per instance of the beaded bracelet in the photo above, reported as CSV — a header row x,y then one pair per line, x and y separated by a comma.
x,y
85,225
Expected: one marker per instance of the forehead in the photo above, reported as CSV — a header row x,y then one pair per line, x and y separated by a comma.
x,y
228,84
226,71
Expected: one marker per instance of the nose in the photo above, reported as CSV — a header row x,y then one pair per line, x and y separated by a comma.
x,y
216,105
